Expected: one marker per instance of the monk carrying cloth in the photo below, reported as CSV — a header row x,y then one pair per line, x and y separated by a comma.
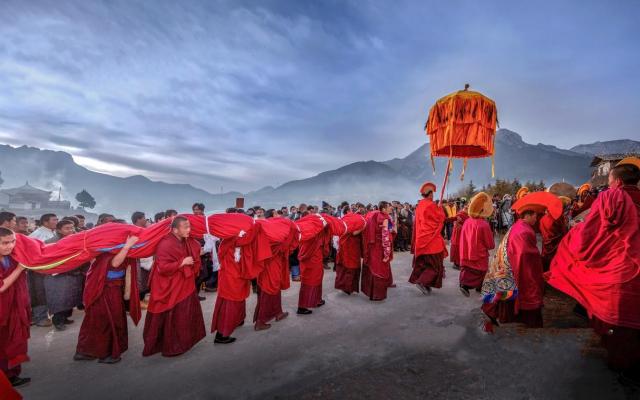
x,y
349,255
174,322
103,334
15,311
428,247
598,264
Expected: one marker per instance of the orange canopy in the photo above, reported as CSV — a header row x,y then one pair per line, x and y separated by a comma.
x,y
462,125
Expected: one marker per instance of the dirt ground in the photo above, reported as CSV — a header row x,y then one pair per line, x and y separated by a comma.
x,y
409,346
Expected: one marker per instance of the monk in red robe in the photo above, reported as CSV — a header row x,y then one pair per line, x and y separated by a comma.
x,y
378,253
310,254
275,276
428,247
15,312
598,264
476,239
103,334
454,248
585,201
517,271
242,259
349,259
174,322
552,231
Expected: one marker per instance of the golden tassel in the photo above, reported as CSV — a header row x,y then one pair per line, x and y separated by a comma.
x,y
493,167
464,168
433,165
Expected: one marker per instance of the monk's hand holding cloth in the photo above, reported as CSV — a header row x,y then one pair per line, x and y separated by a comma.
x,y
187,261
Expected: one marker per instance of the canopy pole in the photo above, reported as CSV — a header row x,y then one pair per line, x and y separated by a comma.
x,y
444,183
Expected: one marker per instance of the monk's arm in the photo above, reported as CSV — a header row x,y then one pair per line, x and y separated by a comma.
x,y
167,264
488,237
122,254
10,280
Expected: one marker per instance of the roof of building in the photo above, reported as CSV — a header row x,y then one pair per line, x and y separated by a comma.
x,y
611,157
26,188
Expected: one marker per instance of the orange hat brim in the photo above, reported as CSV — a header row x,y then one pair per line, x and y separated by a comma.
x,y
630,161
539,202
427,186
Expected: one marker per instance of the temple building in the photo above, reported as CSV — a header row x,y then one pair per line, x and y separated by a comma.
x,y
27,197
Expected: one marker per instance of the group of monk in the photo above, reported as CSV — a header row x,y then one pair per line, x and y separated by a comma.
x,y
597,262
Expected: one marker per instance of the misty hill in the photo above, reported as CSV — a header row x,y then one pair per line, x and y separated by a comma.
x,y
54,169
621,146
514,159
367,181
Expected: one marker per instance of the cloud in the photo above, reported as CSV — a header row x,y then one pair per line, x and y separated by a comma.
x,y
246,94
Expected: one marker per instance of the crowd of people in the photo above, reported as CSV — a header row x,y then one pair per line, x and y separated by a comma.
x,y
360,241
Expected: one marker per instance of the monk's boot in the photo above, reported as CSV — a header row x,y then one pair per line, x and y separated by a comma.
x,y
465,291
282,316
223,339
303,311
18,381
110,360
83,357
426,290
322,302
261,326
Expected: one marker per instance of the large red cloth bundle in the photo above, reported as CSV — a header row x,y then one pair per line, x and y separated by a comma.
x,y
310,226
598,261
336,226
77,249
354,222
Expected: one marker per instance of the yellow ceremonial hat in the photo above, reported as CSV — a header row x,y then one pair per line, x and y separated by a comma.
x,y
523,191
480,206
565,200
584,188
427,186
630,161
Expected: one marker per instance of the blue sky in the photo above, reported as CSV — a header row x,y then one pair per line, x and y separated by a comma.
x,y
247,94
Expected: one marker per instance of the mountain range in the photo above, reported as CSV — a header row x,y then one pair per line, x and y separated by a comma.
x,y
366,181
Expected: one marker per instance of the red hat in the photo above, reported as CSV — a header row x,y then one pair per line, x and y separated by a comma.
x,y
427,186
539,202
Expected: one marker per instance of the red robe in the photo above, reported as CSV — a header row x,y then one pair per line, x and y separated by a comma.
x,y
376,274
310,255
275,277
348,263
174,320
104,328
15,321
526,265
428,245
598,261
476,239
234,277
579,208
454,249
427,228
552,232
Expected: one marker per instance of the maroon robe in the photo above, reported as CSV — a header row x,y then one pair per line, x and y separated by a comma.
x,y
476,239
376,273
348,263
454,249
310,255
234,277
552,232
103,332
15,320
526,265
174,322
427,246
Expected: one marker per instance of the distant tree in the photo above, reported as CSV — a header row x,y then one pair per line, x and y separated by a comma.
x,y
85,199
469,191
1,180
